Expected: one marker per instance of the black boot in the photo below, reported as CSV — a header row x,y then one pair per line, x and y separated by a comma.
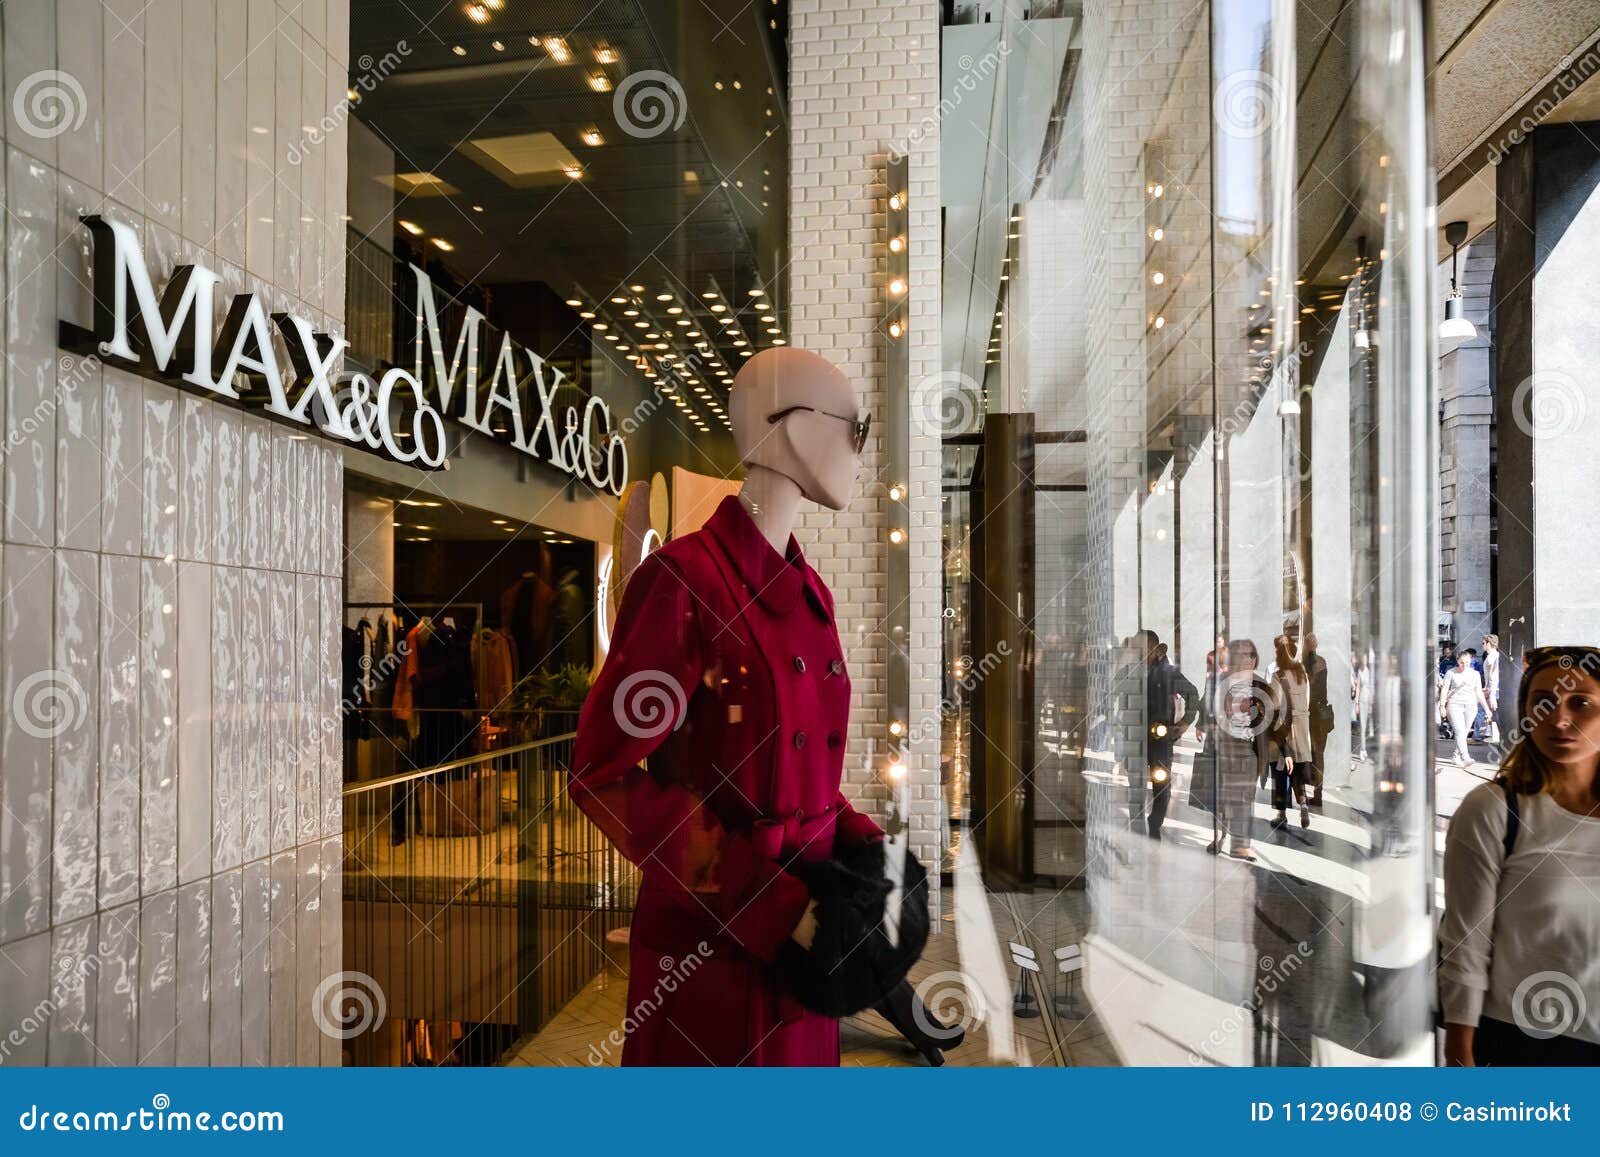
x,y
911,1019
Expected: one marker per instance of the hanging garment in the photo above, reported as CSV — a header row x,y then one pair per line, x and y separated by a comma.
x,y
491,666
726,673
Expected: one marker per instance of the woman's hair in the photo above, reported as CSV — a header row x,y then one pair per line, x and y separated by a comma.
x,y
1284,653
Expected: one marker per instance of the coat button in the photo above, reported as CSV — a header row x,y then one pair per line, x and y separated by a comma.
x,y
799,739
837,666
799,664
834,739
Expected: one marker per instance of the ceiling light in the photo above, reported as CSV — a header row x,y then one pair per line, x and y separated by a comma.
x,y
600,82
573,301
619,301
587,315
637,288
896,244
556,48
497,45
673,310
1455,325
592,138
605,55
573,171
718,307
775,341
411,228
897,287
477,208
476,13
709,295
663,297
443,244
459,51
630,312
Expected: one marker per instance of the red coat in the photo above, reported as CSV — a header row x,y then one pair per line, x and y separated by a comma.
x,y
726,672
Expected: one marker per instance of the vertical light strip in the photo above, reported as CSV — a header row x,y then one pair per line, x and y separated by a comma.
x,y
897,467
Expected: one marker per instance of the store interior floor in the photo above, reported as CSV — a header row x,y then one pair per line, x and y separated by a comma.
x,y
577,1035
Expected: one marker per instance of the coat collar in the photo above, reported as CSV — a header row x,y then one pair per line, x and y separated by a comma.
x,y
777,581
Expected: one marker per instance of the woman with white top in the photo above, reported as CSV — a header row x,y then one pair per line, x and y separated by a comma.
x,y
1519,975
1460,697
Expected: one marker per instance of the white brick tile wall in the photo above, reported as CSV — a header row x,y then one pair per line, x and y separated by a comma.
x,y
862,76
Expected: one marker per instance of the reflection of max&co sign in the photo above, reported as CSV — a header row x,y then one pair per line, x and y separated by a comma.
x,y
400,416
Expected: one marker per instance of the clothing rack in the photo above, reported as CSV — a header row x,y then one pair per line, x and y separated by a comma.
x,y
399,607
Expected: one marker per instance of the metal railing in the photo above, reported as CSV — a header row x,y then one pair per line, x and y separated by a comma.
x,y
477,899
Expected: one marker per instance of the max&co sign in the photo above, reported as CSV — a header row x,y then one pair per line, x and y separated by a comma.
x,y
400,416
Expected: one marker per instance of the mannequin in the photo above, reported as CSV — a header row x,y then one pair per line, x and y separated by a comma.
x,y
726,674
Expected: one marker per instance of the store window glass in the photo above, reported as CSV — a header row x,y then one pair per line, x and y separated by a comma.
x,y
568,221
1187,499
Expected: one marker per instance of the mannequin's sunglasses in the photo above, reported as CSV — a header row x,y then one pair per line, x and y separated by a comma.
x,y
858,426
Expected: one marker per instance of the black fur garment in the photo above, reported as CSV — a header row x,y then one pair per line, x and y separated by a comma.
x,y
851,965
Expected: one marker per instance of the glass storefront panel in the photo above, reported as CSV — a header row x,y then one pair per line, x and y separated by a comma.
x,y
1187,497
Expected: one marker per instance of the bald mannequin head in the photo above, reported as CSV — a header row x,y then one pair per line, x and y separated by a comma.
x,y
813,443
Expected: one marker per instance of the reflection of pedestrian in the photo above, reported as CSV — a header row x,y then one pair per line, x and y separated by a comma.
x,y
1519,971
1460,699
1292,703
1488,723
1165,687
1361,693
1242,715
1321,717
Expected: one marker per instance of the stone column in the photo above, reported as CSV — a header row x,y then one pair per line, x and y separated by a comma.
x,y
1547,279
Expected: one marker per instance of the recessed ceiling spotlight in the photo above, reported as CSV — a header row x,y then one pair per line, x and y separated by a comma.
x,y
443,244
557,49
458,50
411,228
637,288
600,82
592,138
573,301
